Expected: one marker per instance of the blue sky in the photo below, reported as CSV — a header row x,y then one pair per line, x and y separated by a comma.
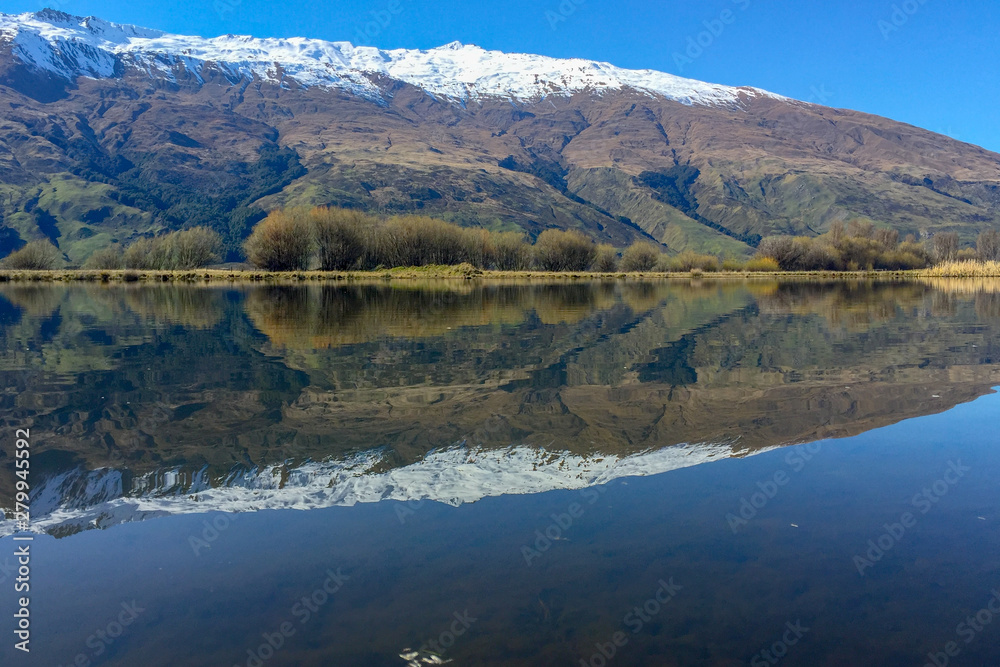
x,y
931,63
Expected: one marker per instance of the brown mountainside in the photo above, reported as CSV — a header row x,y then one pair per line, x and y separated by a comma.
x,y
92,161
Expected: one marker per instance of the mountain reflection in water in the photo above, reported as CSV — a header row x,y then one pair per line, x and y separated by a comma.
x,y
146,400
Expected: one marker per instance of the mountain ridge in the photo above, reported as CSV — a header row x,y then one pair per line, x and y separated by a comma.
x,y
100,146
454,71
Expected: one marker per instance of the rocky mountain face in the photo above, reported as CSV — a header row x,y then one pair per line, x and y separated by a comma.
x,y
110,131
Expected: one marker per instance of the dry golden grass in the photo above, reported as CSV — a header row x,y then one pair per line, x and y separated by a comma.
x,y
966,269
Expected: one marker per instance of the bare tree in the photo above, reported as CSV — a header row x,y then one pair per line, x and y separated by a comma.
x,y
887,239
640,256
945,246
35,256
558,250
509,251
988,245
280,242
339,235
105,258
862,229
606,258
194,248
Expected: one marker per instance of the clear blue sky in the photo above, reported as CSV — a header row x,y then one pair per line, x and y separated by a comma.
x,y
932,63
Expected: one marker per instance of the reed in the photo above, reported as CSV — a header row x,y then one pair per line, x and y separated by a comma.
x,y
964,269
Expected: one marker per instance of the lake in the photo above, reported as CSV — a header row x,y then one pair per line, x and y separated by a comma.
x,y
505,473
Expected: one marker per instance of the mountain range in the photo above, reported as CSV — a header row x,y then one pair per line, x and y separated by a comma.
x,y
109,132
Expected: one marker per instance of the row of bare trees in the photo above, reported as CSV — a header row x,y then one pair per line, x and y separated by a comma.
x,y
860,245
334,239
187,249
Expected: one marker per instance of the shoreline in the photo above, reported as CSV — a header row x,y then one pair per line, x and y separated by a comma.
x,y
436,273
418,273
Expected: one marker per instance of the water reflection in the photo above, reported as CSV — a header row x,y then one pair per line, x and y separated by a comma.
x,y
151,400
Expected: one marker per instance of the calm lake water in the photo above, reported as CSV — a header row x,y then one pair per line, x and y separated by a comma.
x,y
596,474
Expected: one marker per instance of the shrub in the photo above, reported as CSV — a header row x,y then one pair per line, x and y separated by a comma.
x,y
340,236
663,263
640,256
34,256
966,255
858,247
606,259
781,249
105,258
148,254
988,246
761,264
801,253
188,249
413,240
732,264
917,251
194,248
898,260
945,246
564,251
509,251
477,247
861,229
690,260
887,239
280,242
814,255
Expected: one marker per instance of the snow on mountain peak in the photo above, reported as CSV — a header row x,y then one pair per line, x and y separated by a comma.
x,y
80,499
71,46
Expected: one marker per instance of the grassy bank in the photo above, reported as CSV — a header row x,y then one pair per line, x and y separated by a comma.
x,y
970,269
416,273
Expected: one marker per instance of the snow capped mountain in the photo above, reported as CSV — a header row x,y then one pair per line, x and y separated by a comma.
x,y
70,46
80,499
